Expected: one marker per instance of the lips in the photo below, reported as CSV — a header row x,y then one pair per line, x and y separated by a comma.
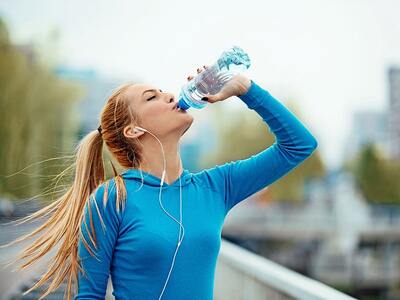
x,y
180,110
177,108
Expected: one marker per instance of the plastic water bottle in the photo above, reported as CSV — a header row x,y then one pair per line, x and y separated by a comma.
x,y
210,81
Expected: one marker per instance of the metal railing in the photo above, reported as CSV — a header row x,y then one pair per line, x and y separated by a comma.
x,y
241,274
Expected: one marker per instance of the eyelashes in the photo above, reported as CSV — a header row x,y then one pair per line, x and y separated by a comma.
x,y
154,96
151,98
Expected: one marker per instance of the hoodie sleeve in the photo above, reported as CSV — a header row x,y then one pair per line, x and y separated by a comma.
x,y
106,222
293,144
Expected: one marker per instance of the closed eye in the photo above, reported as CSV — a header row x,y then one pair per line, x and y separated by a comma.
x,y
154,96
151,98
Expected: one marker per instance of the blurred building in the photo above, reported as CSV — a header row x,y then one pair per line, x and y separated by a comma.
x,y
368,127
381,128
394,112
96,90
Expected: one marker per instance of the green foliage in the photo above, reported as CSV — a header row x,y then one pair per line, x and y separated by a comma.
x,y
242,134
4,38
36,120
377,176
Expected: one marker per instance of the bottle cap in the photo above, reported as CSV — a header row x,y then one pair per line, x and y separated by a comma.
x,y
182,104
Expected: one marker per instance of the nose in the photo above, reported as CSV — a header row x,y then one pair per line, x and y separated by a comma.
x,y
170,97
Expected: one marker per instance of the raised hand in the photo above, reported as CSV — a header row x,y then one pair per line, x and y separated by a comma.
x,y
236,86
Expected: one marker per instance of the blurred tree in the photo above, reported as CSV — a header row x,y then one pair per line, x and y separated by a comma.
x,y
4,37
242,134
36,119
376,175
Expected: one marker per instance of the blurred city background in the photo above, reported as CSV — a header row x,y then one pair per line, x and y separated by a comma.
x,y
330,229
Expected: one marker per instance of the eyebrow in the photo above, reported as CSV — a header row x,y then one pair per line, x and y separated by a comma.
x,y
151,90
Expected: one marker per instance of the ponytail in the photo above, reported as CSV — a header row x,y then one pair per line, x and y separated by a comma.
x,y
67,213
64,224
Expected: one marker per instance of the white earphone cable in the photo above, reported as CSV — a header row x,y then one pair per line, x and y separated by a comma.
x,y
180,210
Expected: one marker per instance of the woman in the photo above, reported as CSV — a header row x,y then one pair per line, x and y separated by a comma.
x,y
116,227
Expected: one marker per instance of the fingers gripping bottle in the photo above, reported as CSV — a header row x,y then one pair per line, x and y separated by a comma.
x,y
231,62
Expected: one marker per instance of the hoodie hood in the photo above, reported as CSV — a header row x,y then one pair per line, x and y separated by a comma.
x,y
152,180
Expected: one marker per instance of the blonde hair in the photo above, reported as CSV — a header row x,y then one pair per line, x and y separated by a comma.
x,y
67,212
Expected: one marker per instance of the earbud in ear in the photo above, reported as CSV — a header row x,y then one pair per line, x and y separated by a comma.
x,y
137,129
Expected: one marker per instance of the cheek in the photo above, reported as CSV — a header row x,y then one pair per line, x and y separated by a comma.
x,y
156,112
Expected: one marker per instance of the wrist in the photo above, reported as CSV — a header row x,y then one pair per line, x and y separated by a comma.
x,y
245,86
242,85
249,85
253,97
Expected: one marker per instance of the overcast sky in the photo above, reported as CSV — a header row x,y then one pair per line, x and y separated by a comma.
x,y
331,57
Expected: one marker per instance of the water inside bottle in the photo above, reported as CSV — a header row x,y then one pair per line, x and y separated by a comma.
x,y
211,80
230,63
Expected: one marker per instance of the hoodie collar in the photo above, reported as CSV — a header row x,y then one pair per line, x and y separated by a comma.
x,y
152,180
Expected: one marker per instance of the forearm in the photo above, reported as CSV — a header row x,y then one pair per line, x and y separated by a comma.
x,y
291,134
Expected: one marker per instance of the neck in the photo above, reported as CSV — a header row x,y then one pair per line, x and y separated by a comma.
x,y
153,162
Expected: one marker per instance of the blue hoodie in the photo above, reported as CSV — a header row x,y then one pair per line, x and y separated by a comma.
x,y
138,243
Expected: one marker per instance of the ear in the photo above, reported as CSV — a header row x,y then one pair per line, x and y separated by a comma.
x,y
129,132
